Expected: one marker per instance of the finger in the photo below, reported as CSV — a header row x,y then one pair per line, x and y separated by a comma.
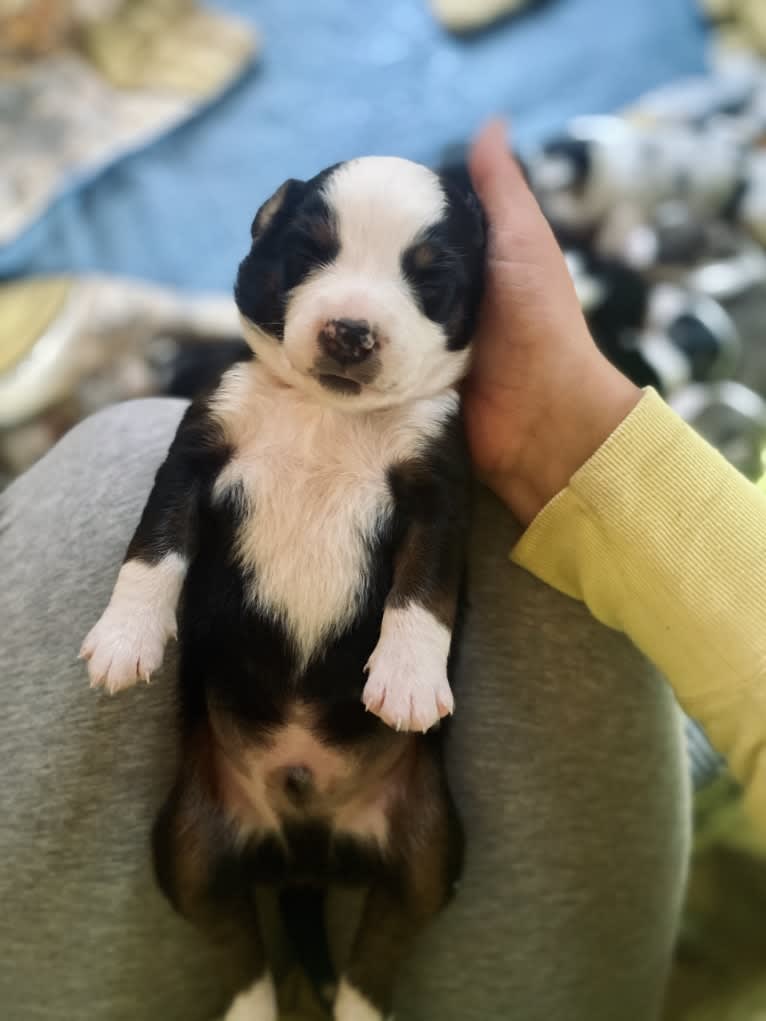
x,y
496,175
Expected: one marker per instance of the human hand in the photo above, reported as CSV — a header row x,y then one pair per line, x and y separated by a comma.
x,y
541,398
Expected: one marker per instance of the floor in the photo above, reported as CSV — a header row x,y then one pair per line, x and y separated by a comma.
x,y
720,971
337,79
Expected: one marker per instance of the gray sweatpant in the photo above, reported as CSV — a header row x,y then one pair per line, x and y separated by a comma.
x,y
565,757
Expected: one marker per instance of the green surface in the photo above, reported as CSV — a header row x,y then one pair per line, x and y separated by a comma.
x,y
720,971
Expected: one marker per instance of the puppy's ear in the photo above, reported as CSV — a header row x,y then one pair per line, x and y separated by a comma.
x,y
278,208
259,288
457,183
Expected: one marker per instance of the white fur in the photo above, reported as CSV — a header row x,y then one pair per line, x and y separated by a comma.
x,y
257,1003
128,642
408,687
638,166
381,205
753,206
315,479
350,1005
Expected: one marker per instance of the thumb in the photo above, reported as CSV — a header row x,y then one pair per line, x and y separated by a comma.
x,y
496,175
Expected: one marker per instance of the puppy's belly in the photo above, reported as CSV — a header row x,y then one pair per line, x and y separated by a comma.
x,y
294,777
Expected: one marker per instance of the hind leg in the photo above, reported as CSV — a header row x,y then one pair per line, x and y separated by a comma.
x,y
426,842
203,876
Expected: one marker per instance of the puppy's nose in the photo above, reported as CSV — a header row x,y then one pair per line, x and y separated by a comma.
x,y
347,341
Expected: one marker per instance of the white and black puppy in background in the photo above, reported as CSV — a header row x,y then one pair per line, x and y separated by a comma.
x,y
305,538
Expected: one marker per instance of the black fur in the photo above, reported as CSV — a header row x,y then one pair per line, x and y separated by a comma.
x,y
199,362
238,668
239,659
449,285
238,663
285,251
169,522
577,153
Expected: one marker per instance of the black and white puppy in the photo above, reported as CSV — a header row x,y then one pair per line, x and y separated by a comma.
x,y
306,532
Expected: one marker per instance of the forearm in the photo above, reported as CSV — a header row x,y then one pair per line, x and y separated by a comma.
x,y
152,574
408,686
665,541
128,641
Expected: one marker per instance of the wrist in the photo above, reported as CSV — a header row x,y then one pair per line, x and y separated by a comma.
x,y
564,436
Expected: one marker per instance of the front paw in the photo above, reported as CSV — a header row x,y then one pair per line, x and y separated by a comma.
x,y
407,685
125,648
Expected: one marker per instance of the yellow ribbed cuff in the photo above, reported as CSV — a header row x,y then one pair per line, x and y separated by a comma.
x,y
665,541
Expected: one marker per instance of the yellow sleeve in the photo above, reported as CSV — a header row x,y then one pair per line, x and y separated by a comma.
x,y
662,539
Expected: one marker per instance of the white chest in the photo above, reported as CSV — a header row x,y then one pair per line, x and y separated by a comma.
x,y
316,482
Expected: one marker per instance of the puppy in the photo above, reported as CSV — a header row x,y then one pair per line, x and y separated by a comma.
x,y
306,532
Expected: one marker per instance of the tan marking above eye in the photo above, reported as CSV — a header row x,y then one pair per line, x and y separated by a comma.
x,y
424,255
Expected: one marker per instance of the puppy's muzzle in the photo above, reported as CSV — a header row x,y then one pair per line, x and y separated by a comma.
x,y
348,341
348,355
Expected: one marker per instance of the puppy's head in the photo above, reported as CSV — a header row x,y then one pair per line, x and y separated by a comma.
x,y
362,284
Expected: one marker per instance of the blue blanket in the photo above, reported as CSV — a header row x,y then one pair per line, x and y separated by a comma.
x,y
340,78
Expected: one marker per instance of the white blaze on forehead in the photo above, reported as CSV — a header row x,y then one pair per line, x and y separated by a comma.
x,y
381,205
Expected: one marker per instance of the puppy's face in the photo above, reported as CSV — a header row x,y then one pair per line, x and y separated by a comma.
x,y
571,182
362,284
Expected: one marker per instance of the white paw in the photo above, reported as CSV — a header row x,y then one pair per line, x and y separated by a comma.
x,y
257,1003
128,642
124,648
407,685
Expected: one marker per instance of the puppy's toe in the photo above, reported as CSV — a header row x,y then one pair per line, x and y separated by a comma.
x,y
410,698
407,685
121,650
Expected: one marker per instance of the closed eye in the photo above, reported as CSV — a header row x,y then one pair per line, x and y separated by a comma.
x,y
430,260
307,247
434,274
431,282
